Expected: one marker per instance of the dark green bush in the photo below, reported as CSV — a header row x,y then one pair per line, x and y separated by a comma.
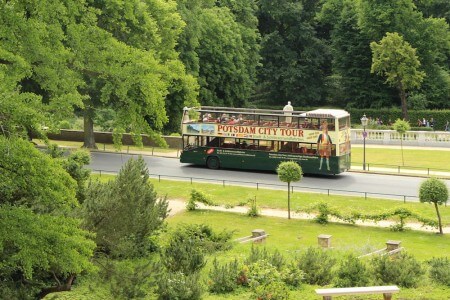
x,y
402,269
352,272
292,275
223,279
440,116
440,270
317,265
129,279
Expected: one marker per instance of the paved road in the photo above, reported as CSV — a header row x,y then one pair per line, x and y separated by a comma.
x,y
350,183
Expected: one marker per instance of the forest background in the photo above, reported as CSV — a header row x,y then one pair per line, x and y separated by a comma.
x,y
139,62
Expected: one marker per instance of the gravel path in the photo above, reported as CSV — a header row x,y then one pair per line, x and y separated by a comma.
x,y
177,206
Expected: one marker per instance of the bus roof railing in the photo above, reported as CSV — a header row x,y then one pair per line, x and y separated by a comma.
x,y
318,113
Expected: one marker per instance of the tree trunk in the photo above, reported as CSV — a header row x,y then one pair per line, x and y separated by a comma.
x,y
67,286
89,138
289,200
403,101
439,217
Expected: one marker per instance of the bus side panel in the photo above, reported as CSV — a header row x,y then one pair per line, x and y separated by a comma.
x,y
261,160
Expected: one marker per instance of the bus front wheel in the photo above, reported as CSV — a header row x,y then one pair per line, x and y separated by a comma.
x,y
213,163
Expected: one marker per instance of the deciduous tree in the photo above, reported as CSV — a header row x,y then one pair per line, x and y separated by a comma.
x,y
395,59
401,126
289,171
434,191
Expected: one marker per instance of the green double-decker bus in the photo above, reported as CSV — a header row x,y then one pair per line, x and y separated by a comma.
x,y
259,139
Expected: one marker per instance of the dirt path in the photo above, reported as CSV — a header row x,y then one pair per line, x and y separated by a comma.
x,y
177,206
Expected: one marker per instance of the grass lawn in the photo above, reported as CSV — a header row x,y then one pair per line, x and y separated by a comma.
x,y
235,195
292,236
417,158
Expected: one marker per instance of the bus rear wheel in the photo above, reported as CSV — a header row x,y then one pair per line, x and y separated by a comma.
x,y
213,162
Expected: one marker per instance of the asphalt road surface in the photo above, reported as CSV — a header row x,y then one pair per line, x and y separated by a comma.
x,y
405,188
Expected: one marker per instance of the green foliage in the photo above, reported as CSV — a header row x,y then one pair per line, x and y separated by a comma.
x,y
352,272
275,290
179,286
317,265
435,191
401,269
253,211
39,251
223,278
33,179
262,273
289,171
188,244
75,164
440,270
275,258
292,275
401,126
130,279
198,196
294,56
125,212
396,60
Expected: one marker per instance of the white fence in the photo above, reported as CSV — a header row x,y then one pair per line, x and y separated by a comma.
x,y
410,138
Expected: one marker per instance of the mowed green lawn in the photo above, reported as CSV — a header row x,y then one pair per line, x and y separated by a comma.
x,y
291,237
268,198
418,158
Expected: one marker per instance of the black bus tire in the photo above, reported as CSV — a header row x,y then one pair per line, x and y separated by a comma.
x,y
213,162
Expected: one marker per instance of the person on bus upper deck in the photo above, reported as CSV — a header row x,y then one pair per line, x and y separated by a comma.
x,y
288,109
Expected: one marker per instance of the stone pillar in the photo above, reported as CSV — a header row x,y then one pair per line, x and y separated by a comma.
x,y
324,240
259,235
392,245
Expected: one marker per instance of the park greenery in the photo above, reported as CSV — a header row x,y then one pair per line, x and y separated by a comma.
x,y
131,66
289,171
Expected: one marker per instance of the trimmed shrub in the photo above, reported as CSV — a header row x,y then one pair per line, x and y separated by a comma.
x,y
317,266
440,270
402,269
352,272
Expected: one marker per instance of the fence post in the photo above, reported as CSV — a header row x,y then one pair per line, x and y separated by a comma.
x,y
368,167
428,171
104,147
404,199
328,192
191,180
292,189
159,178
100,173
257,186
223,183
365,195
